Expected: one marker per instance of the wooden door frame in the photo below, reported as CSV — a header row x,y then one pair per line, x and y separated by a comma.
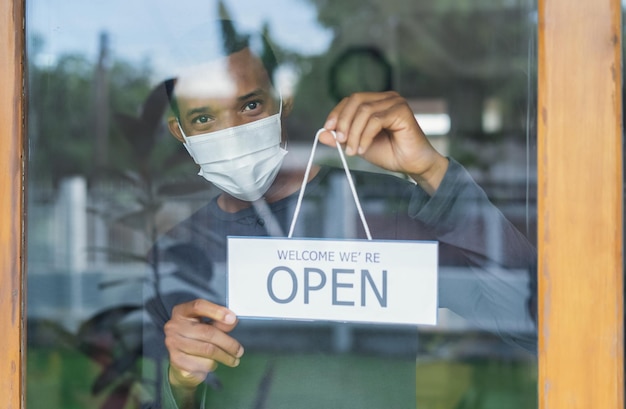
x,y
12,237
580,199
580,195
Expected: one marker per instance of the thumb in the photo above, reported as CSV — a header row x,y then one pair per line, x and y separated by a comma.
x,y
327,137
185,379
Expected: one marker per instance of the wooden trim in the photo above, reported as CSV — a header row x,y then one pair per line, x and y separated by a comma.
x,y
580,205
12,134
580,182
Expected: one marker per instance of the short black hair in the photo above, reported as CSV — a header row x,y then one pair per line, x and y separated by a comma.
x,y
230,42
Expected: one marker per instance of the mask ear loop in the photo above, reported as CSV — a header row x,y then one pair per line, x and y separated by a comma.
x,y
350,182
280,115
186,143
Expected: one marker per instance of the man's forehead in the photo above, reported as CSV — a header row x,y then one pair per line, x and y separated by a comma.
x,y
210,79
222,78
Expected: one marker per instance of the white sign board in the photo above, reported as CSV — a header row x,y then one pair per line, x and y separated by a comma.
x,y
391,282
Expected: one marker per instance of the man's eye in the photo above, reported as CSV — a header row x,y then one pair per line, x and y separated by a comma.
x,y
202,119
251,106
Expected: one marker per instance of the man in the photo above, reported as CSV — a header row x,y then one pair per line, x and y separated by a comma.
x,y
228,114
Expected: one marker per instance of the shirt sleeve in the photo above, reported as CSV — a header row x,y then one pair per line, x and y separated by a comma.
x,y
494,289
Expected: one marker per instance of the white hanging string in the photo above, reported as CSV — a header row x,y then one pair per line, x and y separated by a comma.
x,y
350,182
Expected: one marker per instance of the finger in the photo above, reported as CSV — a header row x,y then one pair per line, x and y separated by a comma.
x,y
342,110
372,125
364,128
228,354
223,326
388,116
344,115
331,119
202,308
356,114
372,130
192,338
207,341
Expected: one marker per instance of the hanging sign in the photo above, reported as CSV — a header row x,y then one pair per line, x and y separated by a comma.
x,y
391,282
373,281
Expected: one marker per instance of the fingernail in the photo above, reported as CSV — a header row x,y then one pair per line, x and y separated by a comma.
x,y
361,150
237,361
349,151
341,137
230,318
240,352
329,124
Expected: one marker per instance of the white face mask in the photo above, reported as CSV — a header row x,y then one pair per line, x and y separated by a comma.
x,y
243,160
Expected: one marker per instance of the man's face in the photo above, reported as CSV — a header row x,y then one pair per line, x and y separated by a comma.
x,y
222,94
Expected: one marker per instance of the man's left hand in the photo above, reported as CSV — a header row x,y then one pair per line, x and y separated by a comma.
x,y
382,128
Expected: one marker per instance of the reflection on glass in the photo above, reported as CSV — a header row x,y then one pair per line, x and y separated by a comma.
x,y
123,232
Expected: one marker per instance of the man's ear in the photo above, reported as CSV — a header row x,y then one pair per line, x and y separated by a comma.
x,y
172,124
287,106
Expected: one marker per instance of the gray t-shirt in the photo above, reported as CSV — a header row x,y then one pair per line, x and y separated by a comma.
x,y
485,277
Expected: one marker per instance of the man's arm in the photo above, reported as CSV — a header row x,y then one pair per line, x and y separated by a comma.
x,y
381,128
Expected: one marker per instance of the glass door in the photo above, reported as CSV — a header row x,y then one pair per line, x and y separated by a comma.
x,y
100,197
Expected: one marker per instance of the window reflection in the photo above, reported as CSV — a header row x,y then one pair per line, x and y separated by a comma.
x,y
108,185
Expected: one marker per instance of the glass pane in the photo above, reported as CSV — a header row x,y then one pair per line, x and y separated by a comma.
x,y
157,131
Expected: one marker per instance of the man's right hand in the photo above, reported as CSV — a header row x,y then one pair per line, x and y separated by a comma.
x,y
196,346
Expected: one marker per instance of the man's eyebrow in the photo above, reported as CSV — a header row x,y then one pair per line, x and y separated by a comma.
x,y
256,93
198,110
